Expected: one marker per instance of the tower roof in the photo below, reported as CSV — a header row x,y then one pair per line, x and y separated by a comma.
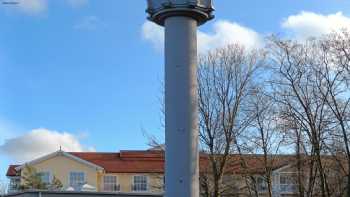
x,y
159,10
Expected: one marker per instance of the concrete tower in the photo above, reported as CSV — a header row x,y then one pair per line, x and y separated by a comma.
x,y
181,19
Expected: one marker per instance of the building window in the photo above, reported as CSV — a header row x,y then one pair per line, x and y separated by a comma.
x,y
261,184
76,179
140,183
110,184
14,184
45,177
288,182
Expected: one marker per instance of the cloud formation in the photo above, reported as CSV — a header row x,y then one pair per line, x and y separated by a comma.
x,y
309,24
223,33
154,34
39,142
299,26
226,32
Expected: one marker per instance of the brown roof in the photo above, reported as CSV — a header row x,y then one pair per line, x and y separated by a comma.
x,y
11,171
152,161
249,163
255,163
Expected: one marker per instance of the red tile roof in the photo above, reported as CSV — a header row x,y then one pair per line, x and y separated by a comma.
x,y
126,161
152,161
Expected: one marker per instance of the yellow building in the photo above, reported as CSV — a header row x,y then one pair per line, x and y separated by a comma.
x,y
126,171
142,172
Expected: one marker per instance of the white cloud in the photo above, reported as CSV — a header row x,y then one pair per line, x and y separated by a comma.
x,y
154,34
32,6
300,26
88,23
39,142
223,33
77,3
309,24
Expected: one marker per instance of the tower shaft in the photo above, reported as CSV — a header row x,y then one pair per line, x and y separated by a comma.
x,y
181,121
180,19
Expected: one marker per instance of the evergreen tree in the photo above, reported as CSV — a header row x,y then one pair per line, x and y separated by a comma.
x,y
31,179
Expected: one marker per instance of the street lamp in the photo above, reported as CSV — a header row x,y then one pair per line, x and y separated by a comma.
x,y
180,19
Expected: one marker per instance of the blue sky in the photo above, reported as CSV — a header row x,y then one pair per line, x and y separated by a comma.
x,y
86,74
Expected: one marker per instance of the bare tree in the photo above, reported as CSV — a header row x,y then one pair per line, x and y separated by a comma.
x,y
338,45
295,89
225,80
264,136
304,105
333,75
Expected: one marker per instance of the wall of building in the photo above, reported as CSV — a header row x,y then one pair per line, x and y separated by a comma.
x,y
125,180
78,194
61,166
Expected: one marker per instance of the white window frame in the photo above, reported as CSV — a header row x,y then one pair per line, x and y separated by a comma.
x,y
49,176
70,179
114,185
133,184
288,185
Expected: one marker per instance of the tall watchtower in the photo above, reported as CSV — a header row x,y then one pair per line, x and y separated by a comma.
x,y
181,19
